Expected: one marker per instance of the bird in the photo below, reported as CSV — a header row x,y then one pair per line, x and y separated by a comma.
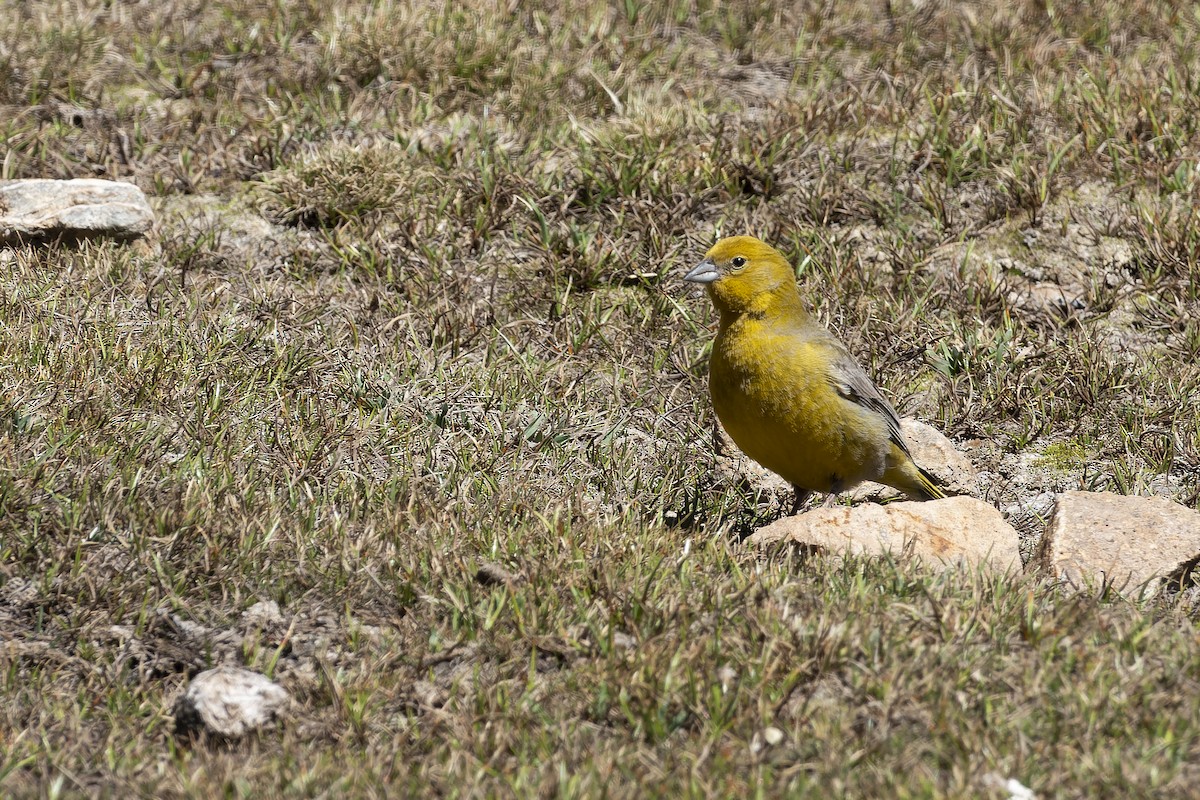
x,y
789,392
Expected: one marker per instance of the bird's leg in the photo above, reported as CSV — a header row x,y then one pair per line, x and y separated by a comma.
x,y
799,499
830,500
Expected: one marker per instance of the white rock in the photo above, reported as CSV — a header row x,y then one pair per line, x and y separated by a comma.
x,y
728,676
1016,790
262,614
767,737
82,208
229,701
950,531
1130,543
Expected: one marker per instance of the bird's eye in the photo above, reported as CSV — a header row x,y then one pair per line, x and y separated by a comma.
x,y
738,262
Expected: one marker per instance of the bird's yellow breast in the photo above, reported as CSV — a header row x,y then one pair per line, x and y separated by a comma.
x,y
772,391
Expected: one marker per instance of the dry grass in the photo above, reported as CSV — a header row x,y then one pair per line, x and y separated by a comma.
x,y
413,312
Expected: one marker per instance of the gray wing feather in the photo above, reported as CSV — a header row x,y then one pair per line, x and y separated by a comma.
x,y
851,382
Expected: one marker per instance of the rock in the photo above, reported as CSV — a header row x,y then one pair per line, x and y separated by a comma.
x,y
1013,787
18,592
262,614
204,645
229,702
950,531
1030,514
74,209
1134,544
1049,299
769,736
936,454
728,676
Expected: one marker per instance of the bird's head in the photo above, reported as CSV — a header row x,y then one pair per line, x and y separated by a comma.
x,y
744,274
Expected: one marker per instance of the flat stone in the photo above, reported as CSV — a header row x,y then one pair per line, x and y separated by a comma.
x,y
229,702
74,209
1133,544
954,531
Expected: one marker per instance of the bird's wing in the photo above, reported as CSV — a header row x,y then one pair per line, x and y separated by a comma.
x,y
852,382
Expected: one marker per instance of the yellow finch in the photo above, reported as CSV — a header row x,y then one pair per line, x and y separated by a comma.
x,y
787,391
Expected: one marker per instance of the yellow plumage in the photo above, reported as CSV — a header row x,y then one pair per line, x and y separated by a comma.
x,y
787,391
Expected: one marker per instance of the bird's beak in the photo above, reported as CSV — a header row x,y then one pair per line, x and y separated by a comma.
x,y
704,272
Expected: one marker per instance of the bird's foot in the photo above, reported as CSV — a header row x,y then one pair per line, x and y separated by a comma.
x,y
798,500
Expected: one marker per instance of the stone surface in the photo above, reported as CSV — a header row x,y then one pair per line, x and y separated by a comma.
x,y
229,702
1049,299
769,736
1029,514
74,209
1013,788
262,614
951,531
1134,544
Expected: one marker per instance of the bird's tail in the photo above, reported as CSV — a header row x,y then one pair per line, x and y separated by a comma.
x,y
908,476
927,486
